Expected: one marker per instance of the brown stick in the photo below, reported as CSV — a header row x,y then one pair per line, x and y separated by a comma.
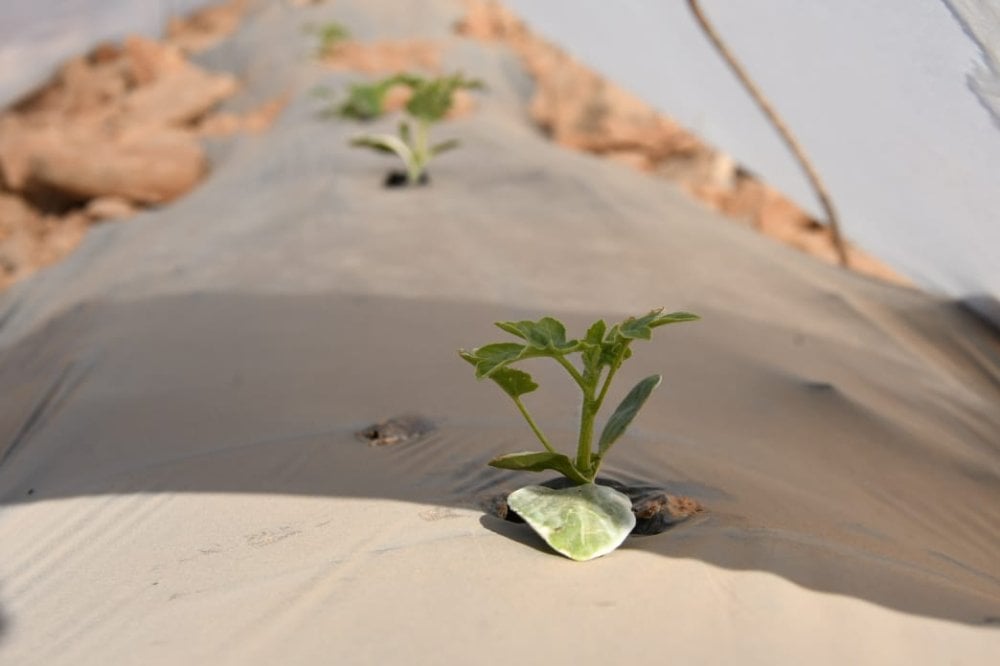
x,y
779,124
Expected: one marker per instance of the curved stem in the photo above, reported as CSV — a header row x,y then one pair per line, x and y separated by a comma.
x,y
786,134
573,372
534,427
611,375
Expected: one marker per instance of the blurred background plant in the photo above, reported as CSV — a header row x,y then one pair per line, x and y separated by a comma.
x,y
330,35
429,101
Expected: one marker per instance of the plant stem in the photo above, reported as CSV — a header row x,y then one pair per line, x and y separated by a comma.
x,y
590,408
587,414
611,375
420,151
534,427
573,372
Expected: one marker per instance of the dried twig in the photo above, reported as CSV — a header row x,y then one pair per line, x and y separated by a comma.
x,y
779,124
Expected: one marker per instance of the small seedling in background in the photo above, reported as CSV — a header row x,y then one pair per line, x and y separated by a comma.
x,y
366,101
430,100
330,35
584,521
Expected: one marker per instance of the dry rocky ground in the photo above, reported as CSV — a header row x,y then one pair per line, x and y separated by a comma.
x,y
115,131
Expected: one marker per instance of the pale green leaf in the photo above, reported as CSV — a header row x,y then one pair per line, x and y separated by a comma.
x,y
673,318
538,462
445,146
431,99
595,334
638,327
490,357
626,411
513,382
546,334
581,522
385,143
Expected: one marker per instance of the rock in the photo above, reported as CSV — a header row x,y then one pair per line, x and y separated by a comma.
x,y
149,60
254,121
29,240
141,167
177,97
17,221
636,159
109,208
14,213
386,56
80,89
220,124
206,27
15,152
490,21
396,430
115,129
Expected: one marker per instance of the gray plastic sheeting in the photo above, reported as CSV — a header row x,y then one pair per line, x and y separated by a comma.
x,y
897,122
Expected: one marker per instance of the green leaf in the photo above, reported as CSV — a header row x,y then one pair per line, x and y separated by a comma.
x,y
364,102
639,327
385,143
593,347
642,327
512,327
444,146
613,346
432,99
330,34
595,334
673,318
546,334
580,522
513,382
490,357
626,411
529,461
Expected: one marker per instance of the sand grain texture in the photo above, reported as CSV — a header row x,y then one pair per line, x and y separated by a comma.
x,y
181,481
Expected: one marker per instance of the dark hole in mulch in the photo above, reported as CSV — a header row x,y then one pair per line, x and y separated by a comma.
x,y
655,510
399,179
398,429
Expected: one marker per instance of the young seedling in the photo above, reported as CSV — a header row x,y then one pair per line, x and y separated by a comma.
x,y
587,520
429,101
330,36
